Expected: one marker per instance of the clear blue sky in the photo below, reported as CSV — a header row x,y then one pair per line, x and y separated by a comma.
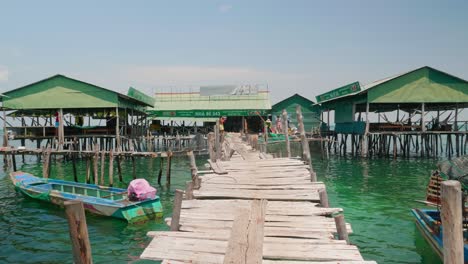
x,y
305,47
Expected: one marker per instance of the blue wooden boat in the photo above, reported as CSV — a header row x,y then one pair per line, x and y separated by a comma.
x,y
101,200
429,223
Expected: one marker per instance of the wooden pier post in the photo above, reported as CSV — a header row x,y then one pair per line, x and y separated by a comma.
x,y
324,198
305,144
211,140
452,226
119,168
176,210
134,168
75,174
189,190
103,161
168,167
13,159
286,133
341,228
194,170
161,164
217,141
46,165
111,167
78,232
88,169
95,165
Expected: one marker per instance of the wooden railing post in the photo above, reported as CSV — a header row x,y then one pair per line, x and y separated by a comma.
x,y
286,133
78,232
305,144
211,141
324,198
451,216
176,210
194,170
341,227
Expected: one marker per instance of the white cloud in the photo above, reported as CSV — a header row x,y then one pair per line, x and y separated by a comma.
x,y
224,8
4,73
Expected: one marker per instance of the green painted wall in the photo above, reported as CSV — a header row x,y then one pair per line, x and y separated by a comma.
x,y
310,113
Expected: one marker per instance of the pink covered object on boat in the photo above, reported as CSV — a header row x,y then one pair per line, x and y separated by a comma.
x,y
140,189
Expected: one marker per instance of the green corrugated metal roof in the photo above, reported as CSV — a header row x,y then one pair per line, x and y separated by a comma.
x,y
60,91
310,113
195,105
423,85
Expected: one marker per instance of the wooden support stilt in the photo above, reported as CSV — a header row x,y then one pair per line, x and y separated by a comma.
x,y
75,174
452,221
96,165
13,159
211,141
119,168
88,169
78,232
46,166
133,167
324,198
111,167
305,144
103,162
176,210
168,167
161,163
189,190
341,228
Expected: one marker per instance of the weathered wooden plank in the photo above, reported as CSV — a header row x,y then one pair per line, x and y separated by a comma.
x,y
245,245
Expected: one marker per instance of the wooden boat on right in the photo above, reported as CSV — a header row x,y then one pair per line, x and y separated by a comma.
x,y
428,222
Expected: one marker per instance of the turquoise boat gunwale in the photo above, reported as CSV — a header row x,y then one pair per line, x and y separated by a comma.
x,y
106,201
428,222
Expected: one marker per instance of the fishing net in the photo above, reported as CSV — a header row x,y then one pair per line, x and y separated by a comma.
x,y
455,169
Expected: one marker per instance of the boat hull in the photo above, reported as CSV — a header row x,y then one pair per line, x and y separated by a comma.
x,y
428,222
106,201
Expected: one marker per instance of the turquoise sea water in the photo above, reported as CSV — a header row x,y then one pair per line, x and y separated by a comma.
x,y
376,195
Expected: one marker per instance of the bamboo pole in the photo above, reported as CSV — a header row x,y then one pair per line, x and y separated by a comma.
x,y
78,232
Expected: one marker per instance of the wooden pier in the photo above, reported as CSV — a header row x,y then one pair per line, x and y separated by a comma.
x,y
252,208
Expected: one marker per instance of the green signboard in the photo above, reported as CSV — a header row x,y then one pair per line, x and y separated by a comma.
x,y
206,113
345,90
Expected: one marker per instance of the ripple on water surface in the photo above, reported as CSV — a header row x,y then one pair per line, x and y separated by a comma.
x,y
376,194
